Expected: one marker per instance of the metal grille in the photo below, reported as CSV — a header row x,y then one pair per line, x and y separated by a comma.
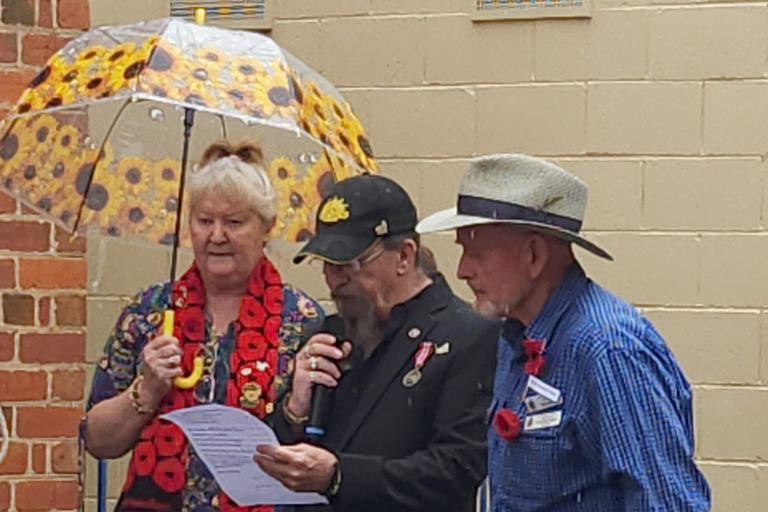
x,y
233,14
506,9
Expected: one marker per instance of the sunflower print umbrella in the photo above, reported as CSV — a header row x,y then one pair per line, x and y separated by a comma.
x,y
96,138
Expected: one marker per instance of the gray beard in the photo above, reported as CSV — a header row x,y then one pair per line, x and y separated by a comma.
x,y
360,323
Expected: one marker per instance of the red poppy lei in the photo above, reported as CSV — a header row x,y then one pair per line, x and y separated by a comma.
x,y
161,454
507,422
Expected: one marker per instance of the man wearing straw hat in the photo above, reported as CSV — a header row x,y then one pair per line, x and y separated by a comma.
x,y
590,410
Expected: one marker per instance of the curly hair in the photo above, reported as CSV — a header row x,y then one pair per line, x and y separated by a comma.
x,y
237,173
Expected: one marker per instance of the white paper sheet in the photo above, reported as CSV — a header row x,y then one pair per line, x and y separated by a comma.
x,y
225,439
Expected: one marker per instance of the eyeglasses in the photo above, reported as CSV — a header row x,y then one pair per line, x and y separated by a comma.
x,y
354,265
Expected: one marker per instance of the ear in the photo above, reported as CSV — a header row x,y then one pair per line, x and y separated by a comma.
x,y
406,256
539,253
268,225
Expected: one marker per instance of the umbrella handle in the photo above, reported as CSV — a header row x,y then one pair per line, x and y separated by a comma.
x,y
193,378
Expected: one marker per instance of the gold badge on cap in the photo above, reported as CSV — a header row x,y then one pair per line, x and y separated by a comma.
x,y
334,210
382,228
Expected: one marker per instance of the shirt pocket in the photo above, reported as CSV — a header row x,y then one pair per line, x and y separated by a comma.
x,y
541,458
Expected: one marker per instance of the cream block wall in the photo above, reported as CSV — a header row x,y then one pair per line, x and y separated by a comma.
x,y
659,105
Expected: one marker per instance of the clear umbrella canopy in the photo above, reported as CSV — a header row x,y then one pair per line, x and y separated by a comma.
x,y
97,138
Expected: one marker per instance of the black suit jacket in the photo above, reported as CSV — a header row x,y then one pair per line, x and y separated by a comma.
x,y
420,448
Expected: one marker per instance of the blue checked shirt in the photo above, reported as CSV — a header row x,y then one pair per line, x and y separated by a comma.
x,y
625,441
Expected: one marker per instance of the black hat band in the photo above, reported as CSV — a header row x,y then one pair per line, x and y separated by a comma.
x,y
499,210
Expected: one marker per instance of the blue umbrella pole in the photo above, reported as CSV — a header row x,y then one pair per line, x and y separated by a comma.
x,y
101,498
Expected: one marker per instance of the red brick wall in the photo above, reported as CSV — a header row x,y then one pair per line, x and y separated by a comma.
x,y
42,295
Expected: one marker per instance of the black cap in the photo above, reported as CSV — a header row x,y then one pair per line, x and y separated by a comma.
x,y
354,214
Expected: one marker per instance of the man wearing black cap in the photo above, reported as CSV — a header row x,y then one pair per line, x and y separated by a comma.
x,y
405,427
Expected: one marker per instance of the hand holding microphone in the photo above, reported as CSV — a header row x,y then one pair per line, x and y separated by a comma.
x,y
317,366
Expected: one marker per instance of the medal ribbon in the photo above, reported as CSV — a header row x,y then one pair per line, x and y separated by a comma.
x,y
426,349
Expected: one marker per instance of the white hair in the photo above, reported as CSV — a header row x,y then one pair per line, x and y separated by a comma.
x,y
239,182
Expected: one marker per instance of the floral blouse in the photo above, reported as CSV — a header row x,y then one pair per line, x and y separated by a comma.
x,y
142,318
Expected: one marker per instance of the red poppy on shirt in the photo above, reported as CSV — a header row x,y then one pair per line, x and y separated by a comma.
x,y
149,430
169,440
273,299
169,475
271,276
507,424
251,346
272,330
144,458
256,287
252,314
192,322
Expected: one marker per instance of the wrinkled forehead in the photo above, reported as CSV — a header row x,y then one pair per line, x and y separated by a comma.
x,y
214,202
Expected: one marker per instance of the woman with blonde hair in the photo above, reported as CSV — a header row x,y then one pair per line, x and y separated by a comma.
x,y
232,310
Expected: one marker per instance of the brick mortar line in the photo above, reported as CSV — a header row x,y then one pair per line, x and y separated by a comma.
x,y
581,82
45,404
588,155
726,387
599,157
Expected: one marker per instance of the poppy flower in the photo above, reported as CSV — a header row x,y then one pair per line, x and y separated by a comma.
x,y
271,360
192,323
507,424
256,287
533,348
271,276
150,429
194,293
233,393
169,440
144,457
535,365
272,330
273,299
246,373
251,345
189,351
252,313
173,401
169,475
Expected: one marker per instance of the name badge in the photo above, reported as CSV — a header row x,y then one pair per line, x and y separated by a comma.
x,y
543,420
537,403
540,387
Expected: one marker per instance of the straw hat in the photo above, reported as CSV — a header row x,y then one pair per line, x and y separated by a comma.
x,y
521,190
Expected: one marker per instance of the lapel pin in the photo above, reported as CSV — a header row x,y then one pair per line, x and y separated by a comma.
x,y
414,333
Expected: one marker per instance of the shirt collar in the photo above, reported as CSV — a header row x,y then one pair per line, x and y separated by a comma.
x,y
558,302
432,297
545,322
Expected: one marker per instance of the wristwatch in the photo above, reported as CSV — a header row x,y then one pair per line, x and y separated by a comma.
x,y
335,484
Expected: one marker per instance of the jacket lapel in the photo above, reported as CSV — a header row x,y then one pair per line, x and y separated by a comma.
x,y
420,318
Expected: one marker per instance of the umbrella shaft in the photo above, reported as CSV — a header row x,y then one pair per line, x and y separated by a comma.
x,y
189,120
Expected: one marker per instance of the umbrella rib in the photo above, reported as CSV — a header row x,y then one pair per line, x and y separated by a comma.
x,y
96,162
224,134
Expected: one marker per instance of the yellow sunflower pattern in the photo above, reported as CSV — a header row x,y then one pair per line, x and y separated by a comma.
x,y
45,162
49,161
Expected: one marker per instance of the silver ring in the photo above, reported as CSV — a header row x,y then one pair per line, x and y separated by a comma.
x,y
313,362
312,377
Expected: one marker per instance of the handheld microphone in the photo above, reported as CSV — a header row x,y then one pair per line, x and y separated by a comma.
x,y
321,395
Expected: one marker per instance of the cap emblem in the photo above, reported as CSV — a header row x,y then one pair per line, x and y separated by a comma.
x,y
382,228
334,210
